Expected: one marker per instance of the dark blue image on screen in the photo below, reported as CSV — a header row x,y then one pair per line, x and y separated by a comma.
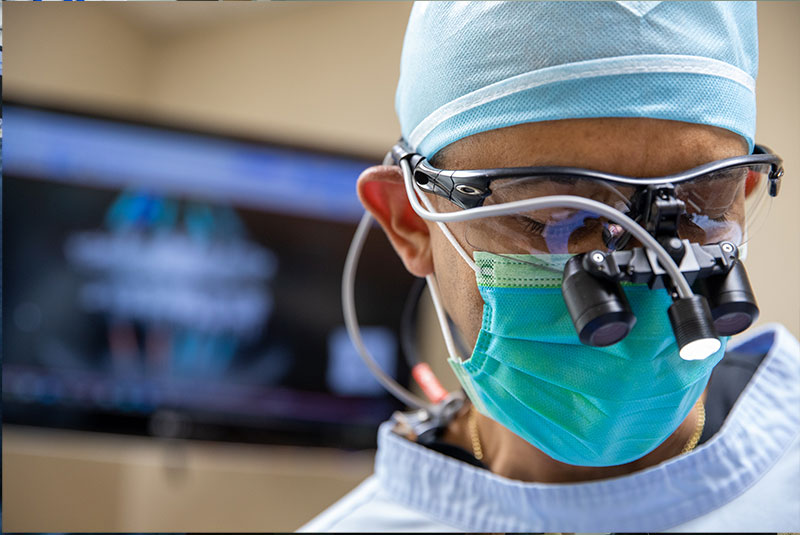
x,y
167,282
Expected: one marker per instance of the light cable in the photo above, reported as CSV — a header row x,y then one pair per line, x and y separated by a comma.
x,y
553,201
426,212
351,320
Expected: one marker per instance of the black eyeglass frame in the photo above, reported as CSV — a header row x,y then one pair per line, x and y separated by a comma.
x,y
468,188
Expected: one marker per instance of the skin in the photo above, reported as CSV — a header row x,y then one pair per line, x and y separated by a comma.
x,y
627,146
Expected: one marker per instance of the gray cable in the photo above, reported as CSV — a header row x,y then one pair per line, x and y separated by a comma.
x,y
569,201
351,321
554,201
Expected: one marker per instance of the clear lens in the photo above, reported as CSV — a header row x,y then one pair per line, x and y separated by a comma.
x,y
728,205
553,230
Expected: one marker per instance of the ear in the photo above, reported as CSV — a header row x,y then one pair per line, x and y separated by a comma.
x,y
383,194
752,180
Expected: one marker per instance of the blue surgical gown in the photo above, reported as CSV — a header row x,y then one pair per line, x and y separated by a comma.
x,y
744,478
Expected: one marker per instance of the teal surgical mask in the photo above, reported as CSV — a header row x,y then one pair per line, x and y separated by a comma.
x,y
581,405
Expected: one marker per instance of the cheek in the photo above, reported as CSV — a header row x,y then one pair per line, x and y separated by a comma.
x,y
457,285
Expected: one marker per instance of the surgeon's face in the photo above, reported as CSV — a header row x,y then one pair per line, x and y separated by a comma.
x,y
625,146
632,147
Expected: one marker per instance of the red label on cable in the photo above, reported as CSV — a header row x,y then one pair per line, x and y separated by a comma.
x,y
425,378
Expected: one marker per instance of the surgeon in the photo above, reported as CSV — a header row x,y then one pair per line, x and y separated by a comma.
x,y
577,181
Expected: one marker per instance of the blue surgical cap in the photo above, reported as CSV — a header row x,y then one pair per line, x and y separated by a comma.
x,y
468,67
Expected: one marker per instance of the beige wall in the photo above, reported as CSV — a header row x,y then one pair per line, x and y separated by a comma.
x,y
69,481
774,256
90,57
315,73
320,75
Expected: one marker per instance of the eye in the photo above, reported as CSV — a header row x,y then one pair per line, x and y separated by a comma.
x,y
531,225
690,219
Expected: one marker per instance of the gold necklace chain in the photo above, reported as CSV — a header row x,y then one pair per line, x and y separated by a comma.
x,y
698,430
477,449
472,422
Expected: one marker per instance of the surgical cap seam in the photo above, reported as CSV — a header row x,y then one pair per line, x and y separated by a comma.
x,y
654,63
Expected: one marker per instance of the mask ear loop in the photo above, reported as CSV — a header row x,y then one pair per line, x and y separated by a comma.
x,y
441,313
446,231
433,285
444,404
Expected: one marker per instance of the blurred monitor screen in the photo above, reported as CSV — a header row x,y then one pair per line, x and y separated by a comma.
x,y
159,281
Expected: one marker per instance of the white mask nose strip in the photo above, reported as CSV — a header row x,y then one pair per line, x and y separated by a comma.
x,y
446,231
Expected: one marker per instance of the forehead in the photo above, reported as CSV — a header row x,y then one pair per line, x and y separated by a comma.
x,y
640,147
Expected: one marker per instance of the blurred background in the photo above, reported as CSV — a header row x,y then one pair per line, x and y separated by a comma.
x,y
178,199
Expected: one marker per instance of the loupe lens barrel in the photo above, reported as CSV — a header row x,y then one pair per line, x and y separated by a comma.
x,y
598,307
731,299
